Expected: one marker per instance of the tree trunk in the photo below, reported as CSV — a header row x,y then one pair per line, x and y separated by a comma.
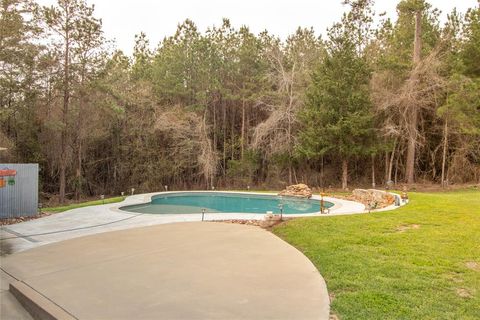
x,y
412,141
78,129
344,174
373,171
62,180
289,150
386,167
390,165
242,135
413,120
66,101
78,190
224,139
444,155
396,169
214,129
322,173
247,125
289,129
232,147
207,174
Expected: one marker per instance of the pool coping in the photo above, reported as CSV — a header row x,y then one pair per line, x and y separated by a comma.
x,y
340,206
148,198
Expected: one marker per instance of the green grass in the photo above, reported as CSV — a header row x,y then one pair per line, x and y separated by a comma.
x,y
375,271
83,204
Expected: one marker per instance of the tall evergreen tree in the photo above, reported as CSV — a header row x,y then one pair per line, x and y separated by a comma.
x,y
338,118
20,69
78,32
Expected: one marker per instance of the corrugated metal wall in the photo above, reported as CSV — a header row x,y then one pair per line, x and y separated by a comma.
x,y
20,199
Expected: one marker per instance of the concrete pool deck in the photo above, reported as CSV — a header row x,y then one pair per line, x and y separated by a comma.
x,y
89,229
104,218
196,270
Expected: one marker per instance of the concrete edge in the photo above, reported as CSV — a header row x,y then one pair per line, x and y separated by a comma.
x,y
39,307
325,297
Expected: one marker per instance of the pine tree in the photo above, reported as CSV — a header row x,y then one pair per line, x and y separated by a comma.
x,y
338,119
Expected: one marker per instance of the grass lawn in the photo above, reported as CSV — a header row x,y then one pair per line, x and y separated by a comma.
x,y
421,261
83,204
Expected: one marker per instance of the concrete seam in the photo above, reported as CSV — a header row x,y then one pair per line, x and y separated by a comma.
x,y
18,235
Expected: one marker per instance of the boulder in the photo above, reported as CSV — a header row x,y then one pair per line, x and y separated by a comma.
x,y
297,190
374,198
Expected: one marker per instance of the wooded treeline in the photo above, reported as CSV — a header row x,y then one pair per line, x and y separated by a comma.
x,y
372,102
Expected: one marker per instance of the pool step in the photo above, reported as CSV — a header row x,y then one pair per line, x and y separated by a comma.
x,y
40,307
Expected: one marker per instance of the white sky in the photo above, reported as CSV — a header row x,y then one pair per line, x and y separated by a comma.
x,y
122,19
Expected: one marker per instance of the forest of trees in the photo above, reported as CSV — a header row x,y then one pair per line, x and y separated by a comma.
x,y
373,101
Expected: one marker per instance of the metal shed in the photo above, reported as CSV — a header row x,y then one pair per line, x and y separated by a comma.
x,y
18,189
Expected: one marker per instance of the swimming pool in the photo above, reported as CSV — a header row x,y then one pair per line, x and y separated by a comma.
x,y
218,202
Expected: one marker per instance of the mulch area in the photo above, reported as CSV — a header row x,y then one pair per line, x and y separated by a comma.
x,y
52,202
239,221
258,223
7,221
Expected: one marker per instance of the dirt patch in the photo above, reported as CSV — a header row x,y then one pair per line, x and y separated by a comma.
x,y
454,277
7,221
239,221
472,265
331,295
267,225
333,316
464,293
406,227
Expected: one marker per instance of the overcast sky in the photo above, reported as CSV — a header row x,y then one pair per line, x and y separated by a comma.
x,y
122,19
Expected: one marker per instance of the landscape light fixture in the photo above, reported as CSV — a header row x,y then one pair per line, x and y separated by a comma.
x,y
389,185
133,190
322,203
166,187
203,213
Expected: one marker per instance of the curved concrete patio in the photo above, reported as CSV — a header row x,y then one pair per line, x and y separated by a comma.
x,y
194,270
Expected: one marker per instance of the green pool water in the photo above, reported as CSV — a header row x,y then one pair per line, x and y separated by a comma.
x,y
217,202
